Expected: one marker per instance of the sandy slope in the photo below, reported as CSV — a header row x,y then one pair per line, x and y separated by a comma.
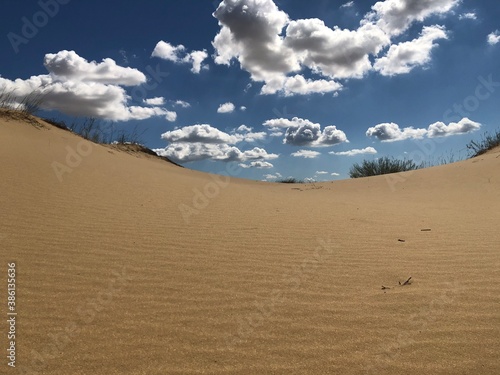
x,y
266,279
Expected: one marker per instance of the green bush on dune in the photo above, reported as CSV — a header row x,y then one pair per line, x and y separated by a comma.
x,y
381,166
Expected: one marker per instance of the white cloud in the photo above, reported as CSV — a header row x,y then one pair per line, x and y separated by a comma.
x,y
68,66
189,152
349,4
395,16
77,87
321,172
364,151
226,108
307,154
302,132
335,174
274,48
203,133
243,108
273,176
309,180
155,101
390,132
493,38
258,165
182,103
244,129
440,129
402,58
467,16
178,55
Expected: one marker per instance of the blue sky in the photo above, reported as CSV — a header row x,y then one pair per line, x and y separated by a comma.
x,y
309,86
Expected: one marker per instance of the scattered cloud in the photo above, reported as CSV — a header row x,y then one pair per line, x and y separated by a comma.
x,y
274,48
243,108
226,108
440,129
321,172
349,4
306,154
302,132
189,152
258,165
155,101
309,180
182,103
390,132
178,55
468,16
402,58
77,87
364,151
335,174
272,176
493,38
199,133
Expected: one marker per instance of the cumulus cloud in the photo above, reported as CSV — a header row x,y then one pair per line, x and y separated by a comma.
x,y
155,101
440,129
199,133
302,132
403,57
335,174
203,141
390,132
321,172
189,152
78,87
177,54
493,38
306,154
274,48
364,151
395,16
258,165
226,108
273,176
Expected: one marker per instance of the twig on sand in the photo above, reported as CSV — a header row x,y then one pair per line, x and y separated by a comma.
x,y
425,230
407,282
385,287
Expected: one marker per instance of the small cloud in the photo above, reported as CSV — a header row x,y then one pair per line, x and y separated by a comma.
x,y
335,174
155,101
391,132
494,38
182,103
468,16
178,55
273,176
244,129
257,164
364,151
440,129
306,154
226,108
321,172
349,4
243,108
309,180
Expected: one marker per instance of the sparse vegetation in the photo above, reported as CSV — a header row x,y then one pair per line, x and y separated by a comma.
x,y
26,105
382,166
488,142
290,180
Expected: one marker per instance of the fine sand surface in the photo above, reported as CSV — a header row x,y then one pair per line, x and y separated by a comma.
x,y
258,278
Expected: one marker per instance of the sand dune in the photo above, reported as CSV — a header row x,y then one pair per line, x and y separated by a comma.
x,y
127,264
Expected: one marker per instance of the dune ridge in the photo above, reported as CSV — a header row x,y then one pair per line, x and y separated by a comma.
x,y
261,278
